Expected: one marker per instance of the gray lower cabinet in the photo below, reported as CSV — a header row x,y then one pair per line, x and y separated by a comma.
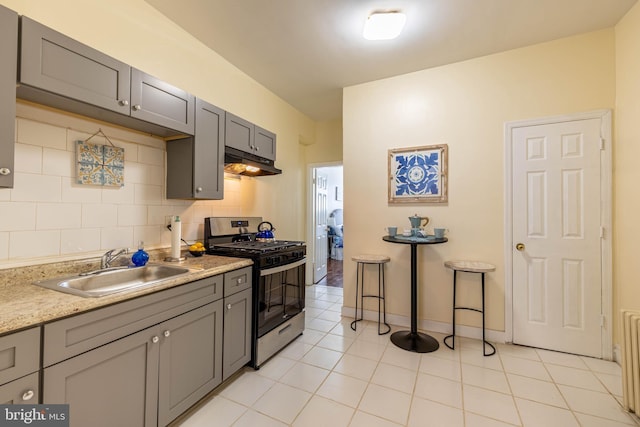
x,y
113,385
145,379
243,135
190,360
8,67
141,362
59,71
237,332
195,165
23,391
19,367
237,321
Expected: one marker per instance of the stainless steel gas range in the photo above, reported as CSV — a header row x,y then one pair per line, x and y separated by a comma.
x,y
278,280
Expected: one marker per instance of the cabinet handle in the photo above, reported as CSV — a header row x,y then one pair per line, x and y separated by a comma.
x,y
155,339
136,107
239,280
166,334
123,102
28,395
228,306
5,171
199,190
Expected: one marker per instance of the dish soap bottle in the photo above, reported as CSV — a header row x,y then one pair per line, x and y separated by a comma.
x,y
141,257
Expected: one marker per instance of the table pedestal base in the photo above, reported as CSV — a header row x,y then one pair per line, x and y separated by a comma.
x,y
415,341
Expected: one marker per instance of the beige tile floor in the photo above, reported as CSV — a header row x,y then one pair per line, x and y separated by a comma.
x,y
332,376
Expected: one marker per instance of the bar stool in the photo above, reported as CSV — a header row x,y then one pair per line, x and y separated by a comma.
x,y
469,267
362,261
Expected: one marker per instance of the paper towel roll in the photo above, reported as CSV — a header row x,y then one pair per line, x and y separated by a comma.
x,y
176,236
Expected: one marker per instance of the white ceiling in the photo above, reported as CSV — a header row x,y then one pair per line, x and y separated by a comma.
x,y
306,51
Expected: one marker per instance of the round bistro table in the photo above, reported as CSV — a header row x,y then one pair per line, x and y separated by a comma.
x,y
413,340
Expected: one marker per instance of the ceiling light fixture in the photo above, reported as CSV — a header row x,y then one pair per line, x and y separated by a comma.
x,y
384,25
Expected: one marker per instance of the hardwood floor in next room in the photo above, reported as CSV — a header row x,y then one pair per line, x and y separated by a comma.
x,y
334,274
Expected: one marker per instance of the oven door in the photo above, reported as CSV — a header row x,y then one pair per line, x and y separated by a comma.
x,y
280,294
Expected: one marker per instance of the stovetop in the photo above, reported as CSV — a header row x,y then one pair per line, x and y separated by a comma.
x,y
257,247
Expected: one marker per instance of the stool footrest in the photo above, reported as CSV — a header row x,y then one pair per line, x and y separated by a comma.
x,y
479,310
484,349
353,326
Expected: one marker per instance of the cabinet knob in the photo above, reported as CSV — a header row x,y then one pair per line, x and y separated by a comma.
x,y
28,395
155,339
123,102
136,107
5,171
199,190
166,334
228,306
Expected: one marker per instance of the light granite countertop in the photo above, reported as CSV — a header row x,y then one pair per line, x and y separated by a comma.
x,y
24,305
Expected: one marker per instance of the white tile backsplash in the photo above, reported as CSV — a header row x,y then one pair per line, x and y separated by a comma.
x,y
51,216
18,216
30,244
43,134
79,240
58,162
28,158
47,214
29,187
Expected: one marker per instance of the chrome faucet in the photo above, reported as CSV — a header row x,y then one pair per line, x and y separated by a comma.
x,y
110,256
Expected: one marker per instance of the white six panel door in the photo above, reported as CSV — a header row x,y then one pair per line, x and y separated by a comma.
x,y
557,284
321,250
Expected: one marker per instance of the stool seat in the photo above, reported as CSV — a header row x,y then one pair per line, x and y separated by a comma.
x,y
371,259
379,261
470,266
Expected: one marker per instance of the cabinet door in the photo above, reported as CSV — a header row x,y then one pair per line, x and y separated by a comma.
x,y
160,103
112,385
190,360
61,65
239,133
195,165
19,354
208,160
23,391
8,67
237,332
265,143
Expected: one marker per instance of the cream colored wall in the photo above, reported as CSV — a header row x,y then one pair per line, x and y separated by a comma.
x,y
135,33
626,172
464,105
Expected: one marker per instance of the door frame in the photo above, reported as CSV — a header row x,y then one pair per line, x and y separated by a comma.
x,y
605,215
310,223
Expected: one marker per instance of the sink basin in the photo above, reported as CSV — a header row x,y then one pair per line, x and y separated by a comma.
x,y
110,281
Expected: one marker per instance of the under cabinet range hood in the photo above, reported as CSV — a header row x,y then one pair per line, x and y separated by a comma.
x,y
238,162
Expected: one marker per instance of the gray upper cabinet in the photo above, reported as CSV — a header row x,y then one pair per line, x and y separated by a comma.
x,y
61,65
265,143
245,136
59,71
195,164
8,67
158,102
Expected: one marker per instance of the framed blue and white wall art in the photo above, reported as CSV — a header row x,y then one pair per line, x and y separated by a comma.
x,y
418,174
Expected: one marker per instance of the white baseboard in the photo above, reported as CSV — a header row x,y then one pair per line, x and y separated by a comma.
x,y
431,325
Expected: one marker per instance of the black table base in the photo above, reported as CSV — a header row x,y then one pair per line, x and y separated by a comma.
x,y
415,341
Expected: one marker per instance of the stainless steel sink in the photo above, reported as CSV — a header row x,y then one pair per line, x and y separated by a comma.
x,y
109,281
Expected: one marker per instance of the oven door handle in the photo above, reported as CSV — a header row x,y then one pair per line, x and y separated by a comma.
x,y
281,268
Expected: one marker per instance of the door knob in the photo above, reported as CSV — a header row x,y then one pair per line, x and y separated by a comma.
x,y
520,247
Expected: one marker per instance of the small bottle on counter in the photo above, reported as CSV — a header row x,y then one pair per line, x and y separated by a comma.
x,y
141,257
